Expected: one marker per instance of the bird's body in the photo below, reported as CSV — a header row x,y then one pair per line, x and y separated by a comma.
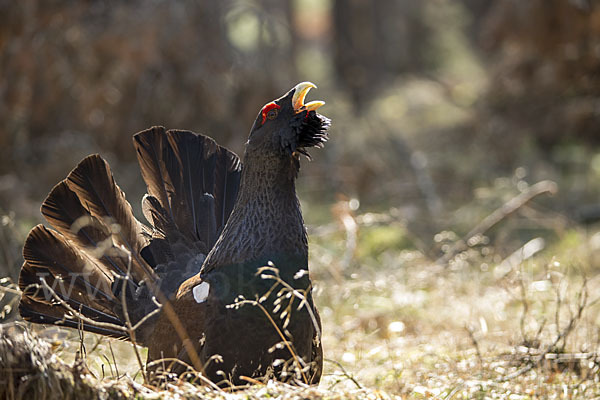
x,y
226,256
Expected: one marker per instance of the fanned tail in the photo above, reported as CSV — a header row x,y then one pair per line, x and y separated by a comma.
x,y
93,183
55,269
192,187
193,180
96,242
79,268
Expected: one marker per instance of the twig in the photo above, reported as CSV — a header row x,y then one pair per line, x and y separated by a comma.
x,y
344,372
285,341
189,369
523,253
251,380
507,209
475,342
149,315
525,303
80,333
112,374
557,311
130,329
76,313
17,292
112,353
454,391
561,336
303,301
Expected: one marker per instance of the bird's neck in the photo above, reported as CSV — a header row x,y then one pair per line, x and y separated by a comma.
x,y
266,220
266,180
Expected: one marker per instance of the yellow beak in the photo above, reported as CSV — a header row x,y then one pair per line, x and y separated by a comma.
x,y
300,92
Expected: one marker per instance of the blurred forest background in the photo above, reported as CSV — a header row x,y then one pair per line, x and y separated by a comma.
x,y
442,110
432,101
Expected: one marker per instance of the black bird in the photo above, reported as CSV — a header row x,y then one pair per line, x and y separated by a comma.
x,y
220,278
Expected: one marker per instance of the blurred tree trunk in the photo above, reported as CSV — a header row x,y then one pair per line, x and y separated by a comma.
x,y
478,11
376,41
545,62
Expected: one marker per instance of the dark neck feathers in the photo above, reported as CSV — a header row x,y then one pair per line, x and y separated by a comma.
x,y
266,219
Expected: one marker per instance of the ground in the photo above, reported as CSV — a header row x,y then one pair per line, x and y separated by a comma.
x,y
397,324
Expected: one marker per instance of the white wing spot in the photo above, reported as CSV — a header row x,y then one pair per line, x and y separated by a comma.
x,y
201,292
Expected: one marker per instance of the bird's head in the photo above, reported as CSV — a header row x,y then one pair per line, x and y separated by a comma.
x,y
287,126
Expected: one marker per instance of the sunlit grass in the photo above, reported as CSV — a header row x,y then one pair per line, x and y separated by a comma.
x,y
397,324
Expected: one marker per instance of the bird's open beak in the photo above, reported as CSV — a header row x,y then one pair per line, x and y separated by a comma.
x,y
300,92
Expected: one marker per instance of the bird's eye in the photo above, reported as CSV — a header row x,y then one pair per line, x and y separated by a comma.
x,y
270,111
272,114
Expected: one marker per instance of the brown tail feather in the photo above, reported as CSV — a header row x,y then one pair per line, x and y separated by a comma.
x,y
43,313
32,281
62,208
72,275
48,249
152,149
226,186
84,261
192,185
64,211
95,187
193,178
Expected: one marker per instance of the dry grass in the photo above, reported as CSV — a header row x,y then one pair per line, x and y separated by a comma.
x,y
396,325
31,370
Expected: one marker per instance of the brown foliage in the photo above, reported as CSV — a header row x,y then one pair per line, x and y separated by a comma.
x,y
545,79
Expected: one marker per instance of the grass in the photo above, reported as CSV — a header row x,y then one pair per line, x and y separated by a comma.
x,y
395,325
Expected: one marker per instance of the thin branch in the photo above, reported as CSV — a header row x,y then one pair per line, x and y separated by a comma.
x,y
106,325
112,353
475,342
130,329
561,336
525,303
189,369
149,315
285,341
17,292
271,267
507,209
344,372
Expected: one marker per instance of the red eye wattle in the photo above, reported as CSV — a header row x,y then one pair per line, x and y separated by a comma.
x,y
269,111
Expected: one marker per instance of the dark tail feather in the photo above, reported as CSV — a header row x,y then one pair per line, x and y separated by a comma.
x,y
194,180
157,216
152,152
192,185
74,277
43,313
93,183
47,249
85,262
64,211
